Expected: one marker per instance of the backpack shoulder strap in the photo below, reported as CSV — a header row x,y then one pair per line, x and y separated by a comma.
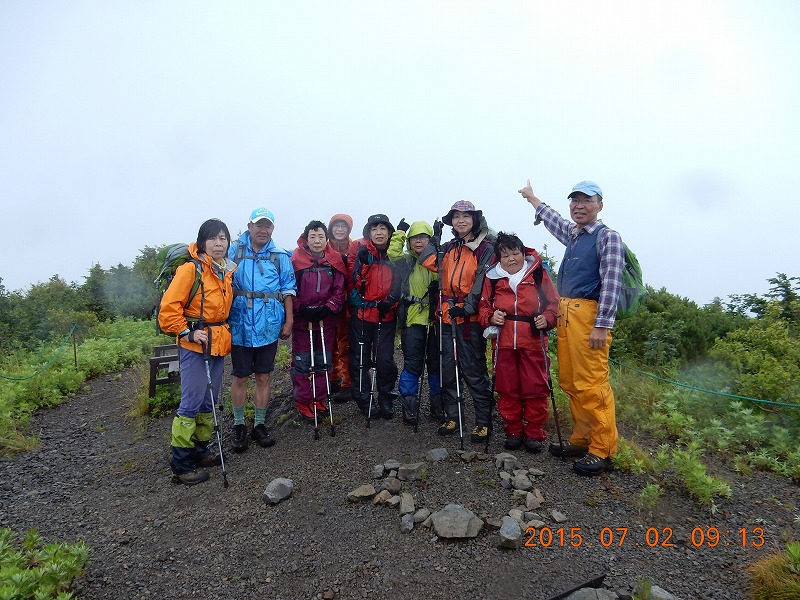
x,y
198,280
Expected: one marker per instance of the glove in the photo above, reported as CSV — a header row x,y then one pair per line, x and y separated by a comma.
x,y
433,288
363,256
438,226
403,226
457,312
384,306
308,312
320,312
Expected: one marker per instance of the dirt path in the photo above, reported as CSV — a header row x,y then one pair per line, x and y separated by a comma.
x,y
95,479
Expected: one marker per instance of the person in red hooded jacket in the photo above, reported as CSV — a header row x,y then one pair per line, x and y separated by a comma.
x,y
373,322
320,275
339,239
518,304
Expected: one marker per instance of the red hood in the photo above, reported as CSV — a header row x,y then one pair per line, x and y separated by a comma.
x,y
301,257
343,245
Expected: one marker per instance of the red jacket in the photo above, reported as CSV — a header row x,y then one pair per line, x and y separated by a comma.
x,y
524,302
372,280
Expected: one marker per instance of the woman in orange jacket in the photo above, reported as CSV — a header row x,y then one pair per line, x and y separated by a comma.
x,y
339,229
200,322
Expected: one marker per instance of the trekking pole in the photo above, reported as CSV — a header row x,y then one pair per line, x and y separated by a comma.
x,y
327,378
206,352
491,396
459,397
313,380
542,334
373,389
422,378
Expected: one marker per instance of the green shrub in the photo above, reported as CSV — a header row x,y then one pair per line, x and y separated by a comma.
x,y
31,569
47,374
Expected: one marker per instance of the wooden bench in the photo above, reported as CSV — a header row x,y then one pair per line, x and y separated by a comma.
x,y
165,356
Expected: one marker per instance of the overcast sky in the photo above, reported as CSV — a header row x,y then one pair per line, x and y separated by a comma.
x,y
127,124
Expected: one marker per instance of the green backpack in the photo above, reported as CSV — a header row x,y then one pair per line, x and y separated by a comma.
x,y
633,290
171,257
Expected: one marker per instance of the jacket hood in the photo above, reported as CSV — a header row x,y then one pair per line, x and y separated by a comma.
x,y
341,217
417,228
302,257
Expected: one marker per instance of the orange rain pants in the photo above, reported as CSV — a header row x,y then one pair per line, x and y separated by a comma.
x,y
341,350
583,376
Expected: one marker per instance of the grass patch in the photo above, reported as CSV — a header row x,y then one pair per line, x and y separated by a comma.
x,y
32,569
114,346
776,577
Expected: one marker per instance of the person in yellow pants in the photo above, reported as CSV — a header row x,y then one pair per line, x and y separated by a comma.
x,y
589,282
583,375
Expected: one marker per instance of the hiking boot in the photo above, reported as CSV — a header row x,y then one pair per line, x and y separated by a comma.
x,y
386,409
209,459
343,395
190,477
261,436
447,428
568,450
513,442
437,412
239,439
409,418
592,465
533,446
479,433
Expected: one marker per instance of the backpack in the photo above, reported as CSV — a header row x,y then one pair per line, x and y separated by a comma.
x,y
171,257
632,291
273,257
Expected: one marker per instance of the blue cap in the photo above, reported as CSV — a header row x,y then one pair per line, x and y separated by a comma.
x,y
590,188
262,213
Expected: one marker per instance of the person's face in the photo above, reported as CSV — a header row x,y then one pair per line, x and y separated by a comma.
x,y
511,260
462,223
260,233
379,235
217,246
583,209
339,231
317,240
418,242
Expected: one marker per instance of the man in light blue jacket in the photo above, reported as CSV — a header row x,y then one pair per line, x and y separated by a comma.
x,y
263,289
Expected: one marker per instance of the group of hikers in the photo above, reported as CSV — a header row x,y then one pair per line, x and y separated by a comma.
x,y
341,300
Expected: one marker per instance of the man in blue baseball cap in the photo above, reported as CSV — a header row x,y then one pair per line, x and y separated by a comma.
x,y
589,283
263,289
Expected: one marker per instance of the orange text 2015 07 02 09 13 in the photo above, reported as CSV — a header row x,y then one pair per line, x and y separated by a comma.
x,y
652,537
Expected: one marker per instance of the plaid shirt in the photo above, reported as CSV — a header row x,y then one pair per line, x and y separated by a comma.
x,y
612,259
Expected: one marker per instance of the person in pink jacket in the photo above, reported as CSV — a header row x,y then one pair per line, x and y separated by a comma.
x,y
518,304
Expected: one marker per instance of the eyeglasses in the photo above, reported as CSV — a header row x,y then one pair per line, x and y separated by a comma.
x,y
581,201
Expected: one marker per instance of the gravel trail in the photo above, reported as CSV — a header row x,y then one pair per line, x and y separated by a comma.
x,y
96,478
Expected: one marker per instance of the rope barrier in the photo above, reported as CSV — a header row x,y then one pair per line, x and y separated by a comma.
x,y
705,391
58,353
60,350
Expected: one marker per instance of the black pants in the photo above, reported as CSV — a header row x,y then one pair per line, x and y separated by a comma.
x,y
471,369
364,336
